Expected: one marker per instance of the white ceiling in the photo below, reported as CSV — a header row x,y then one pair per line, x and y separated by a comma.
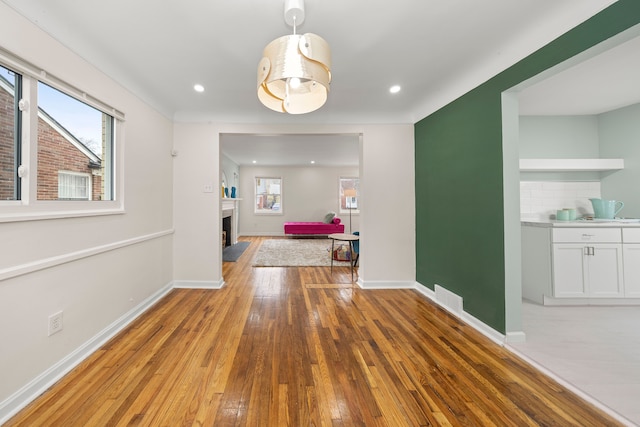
x,y
605,82
435,49
292,150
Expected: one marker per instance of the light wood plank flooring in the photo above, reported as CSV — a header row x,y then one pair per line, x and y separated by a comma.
x,y
302,347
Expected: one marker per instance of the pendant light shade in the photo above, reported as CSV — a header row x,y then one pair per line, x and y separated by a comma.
x,y
295,73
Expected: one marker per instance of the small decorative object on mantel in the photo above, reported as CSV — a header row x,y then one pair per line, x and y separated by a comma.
x,y
233,192
226,191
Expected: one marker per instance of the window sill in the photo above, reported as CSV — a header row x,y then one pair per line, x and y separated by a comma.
x,y
16,212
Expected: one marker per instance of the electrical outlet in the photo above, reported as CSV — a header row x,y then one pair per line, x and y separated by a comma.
x,y
55,323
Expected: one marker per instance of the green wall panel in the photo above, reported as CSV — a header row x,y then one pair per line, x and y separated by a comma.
x,y
459,198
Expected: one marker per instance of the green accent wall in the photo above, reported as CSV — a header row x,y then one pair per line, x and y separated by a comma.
x,y
459,193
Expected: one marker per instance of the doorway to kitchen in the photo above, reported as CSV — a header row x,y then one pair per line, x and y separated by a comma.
x,y
592,349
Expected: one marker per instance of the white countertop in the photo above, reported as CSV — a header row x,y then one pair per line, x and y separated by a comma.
x,y
618,222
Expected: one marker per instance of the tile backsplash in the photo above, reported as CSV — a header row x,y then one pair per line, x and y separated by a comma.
x,y
539,200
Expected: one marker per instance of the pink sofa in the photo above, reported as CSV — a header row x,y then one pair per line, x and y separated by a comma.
x,y
314,227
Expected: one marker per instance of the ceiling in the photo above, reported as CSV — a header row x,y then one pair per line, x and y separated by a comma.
x,y
292,149
602,83
435,49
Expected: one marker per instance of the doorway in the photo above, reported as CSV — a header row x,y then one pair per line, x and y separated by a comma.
x,y
585,346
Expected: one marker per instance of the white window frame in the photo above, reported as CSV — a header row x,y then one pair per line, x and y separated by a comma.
x,y
88,186
28,207
341,194
280,211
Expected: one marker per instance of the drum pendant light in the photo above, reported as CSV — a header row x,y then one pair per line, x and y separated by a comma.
x,y
295,73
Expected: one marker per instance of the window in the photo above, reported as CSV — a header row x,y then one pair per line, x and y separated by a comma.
x,y
10,92
349,194
57,146
72,137
268,195
74,186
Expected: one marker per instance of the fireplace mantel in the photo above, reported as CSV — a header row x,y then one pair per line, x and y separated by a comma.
x,y
230,209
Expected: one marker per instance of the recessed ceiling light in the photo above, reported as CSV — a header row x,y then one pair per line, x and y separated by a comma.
x,y
394,89
254,161
313,161
198,88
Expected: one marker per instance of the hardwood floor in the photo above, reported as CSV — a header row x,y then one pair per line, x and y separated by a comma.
x,y
301,347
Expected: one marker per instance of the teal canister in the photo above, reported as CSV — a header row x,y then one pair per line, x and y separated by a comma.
x,y
566,214
562,215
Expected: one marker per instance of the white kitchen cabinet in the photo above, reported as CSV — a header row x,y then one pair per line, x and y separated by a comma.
x,y
587,262
631,257
605,276
632,270
587,270
569,271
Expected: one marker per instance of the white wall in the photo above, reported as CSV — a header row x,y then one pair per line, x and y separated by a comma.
x,y
387,220
620,137
388,224
559,137
96,269
610,135
197,214
308,194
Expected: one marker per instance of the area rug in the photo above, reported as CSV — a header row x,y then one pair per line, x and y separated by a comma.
x,y
233,252
296,253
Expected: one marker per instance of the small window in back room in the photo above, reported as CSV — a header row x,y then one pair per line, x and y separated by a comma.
x,y
268,195
10,86
349,194
75,148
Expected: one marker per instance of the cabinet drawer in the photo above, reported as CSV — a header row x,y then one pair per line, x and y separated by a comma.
x,y
577,235
631,235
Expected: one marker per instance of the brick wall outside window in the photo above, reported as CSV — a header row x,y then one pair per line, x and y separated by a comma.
x,y
7,151
55,153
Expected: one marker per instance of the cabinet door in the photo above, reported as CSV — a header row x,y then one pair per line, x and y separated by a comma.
x,y
569,270
605,277
632,270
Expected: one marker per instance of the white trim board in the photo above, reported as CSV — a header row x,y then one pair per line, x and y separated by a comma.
x,y
30,267
198,284
385,284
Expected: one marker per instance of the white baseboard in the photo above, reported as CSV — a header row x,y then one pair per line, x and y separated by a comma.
x,y
383,284
454,305
18,400
484,329
516,337
198,284
551,301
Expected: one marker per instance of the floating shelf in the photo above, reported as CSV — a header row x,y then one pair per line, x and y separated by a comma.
x,y
570,165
